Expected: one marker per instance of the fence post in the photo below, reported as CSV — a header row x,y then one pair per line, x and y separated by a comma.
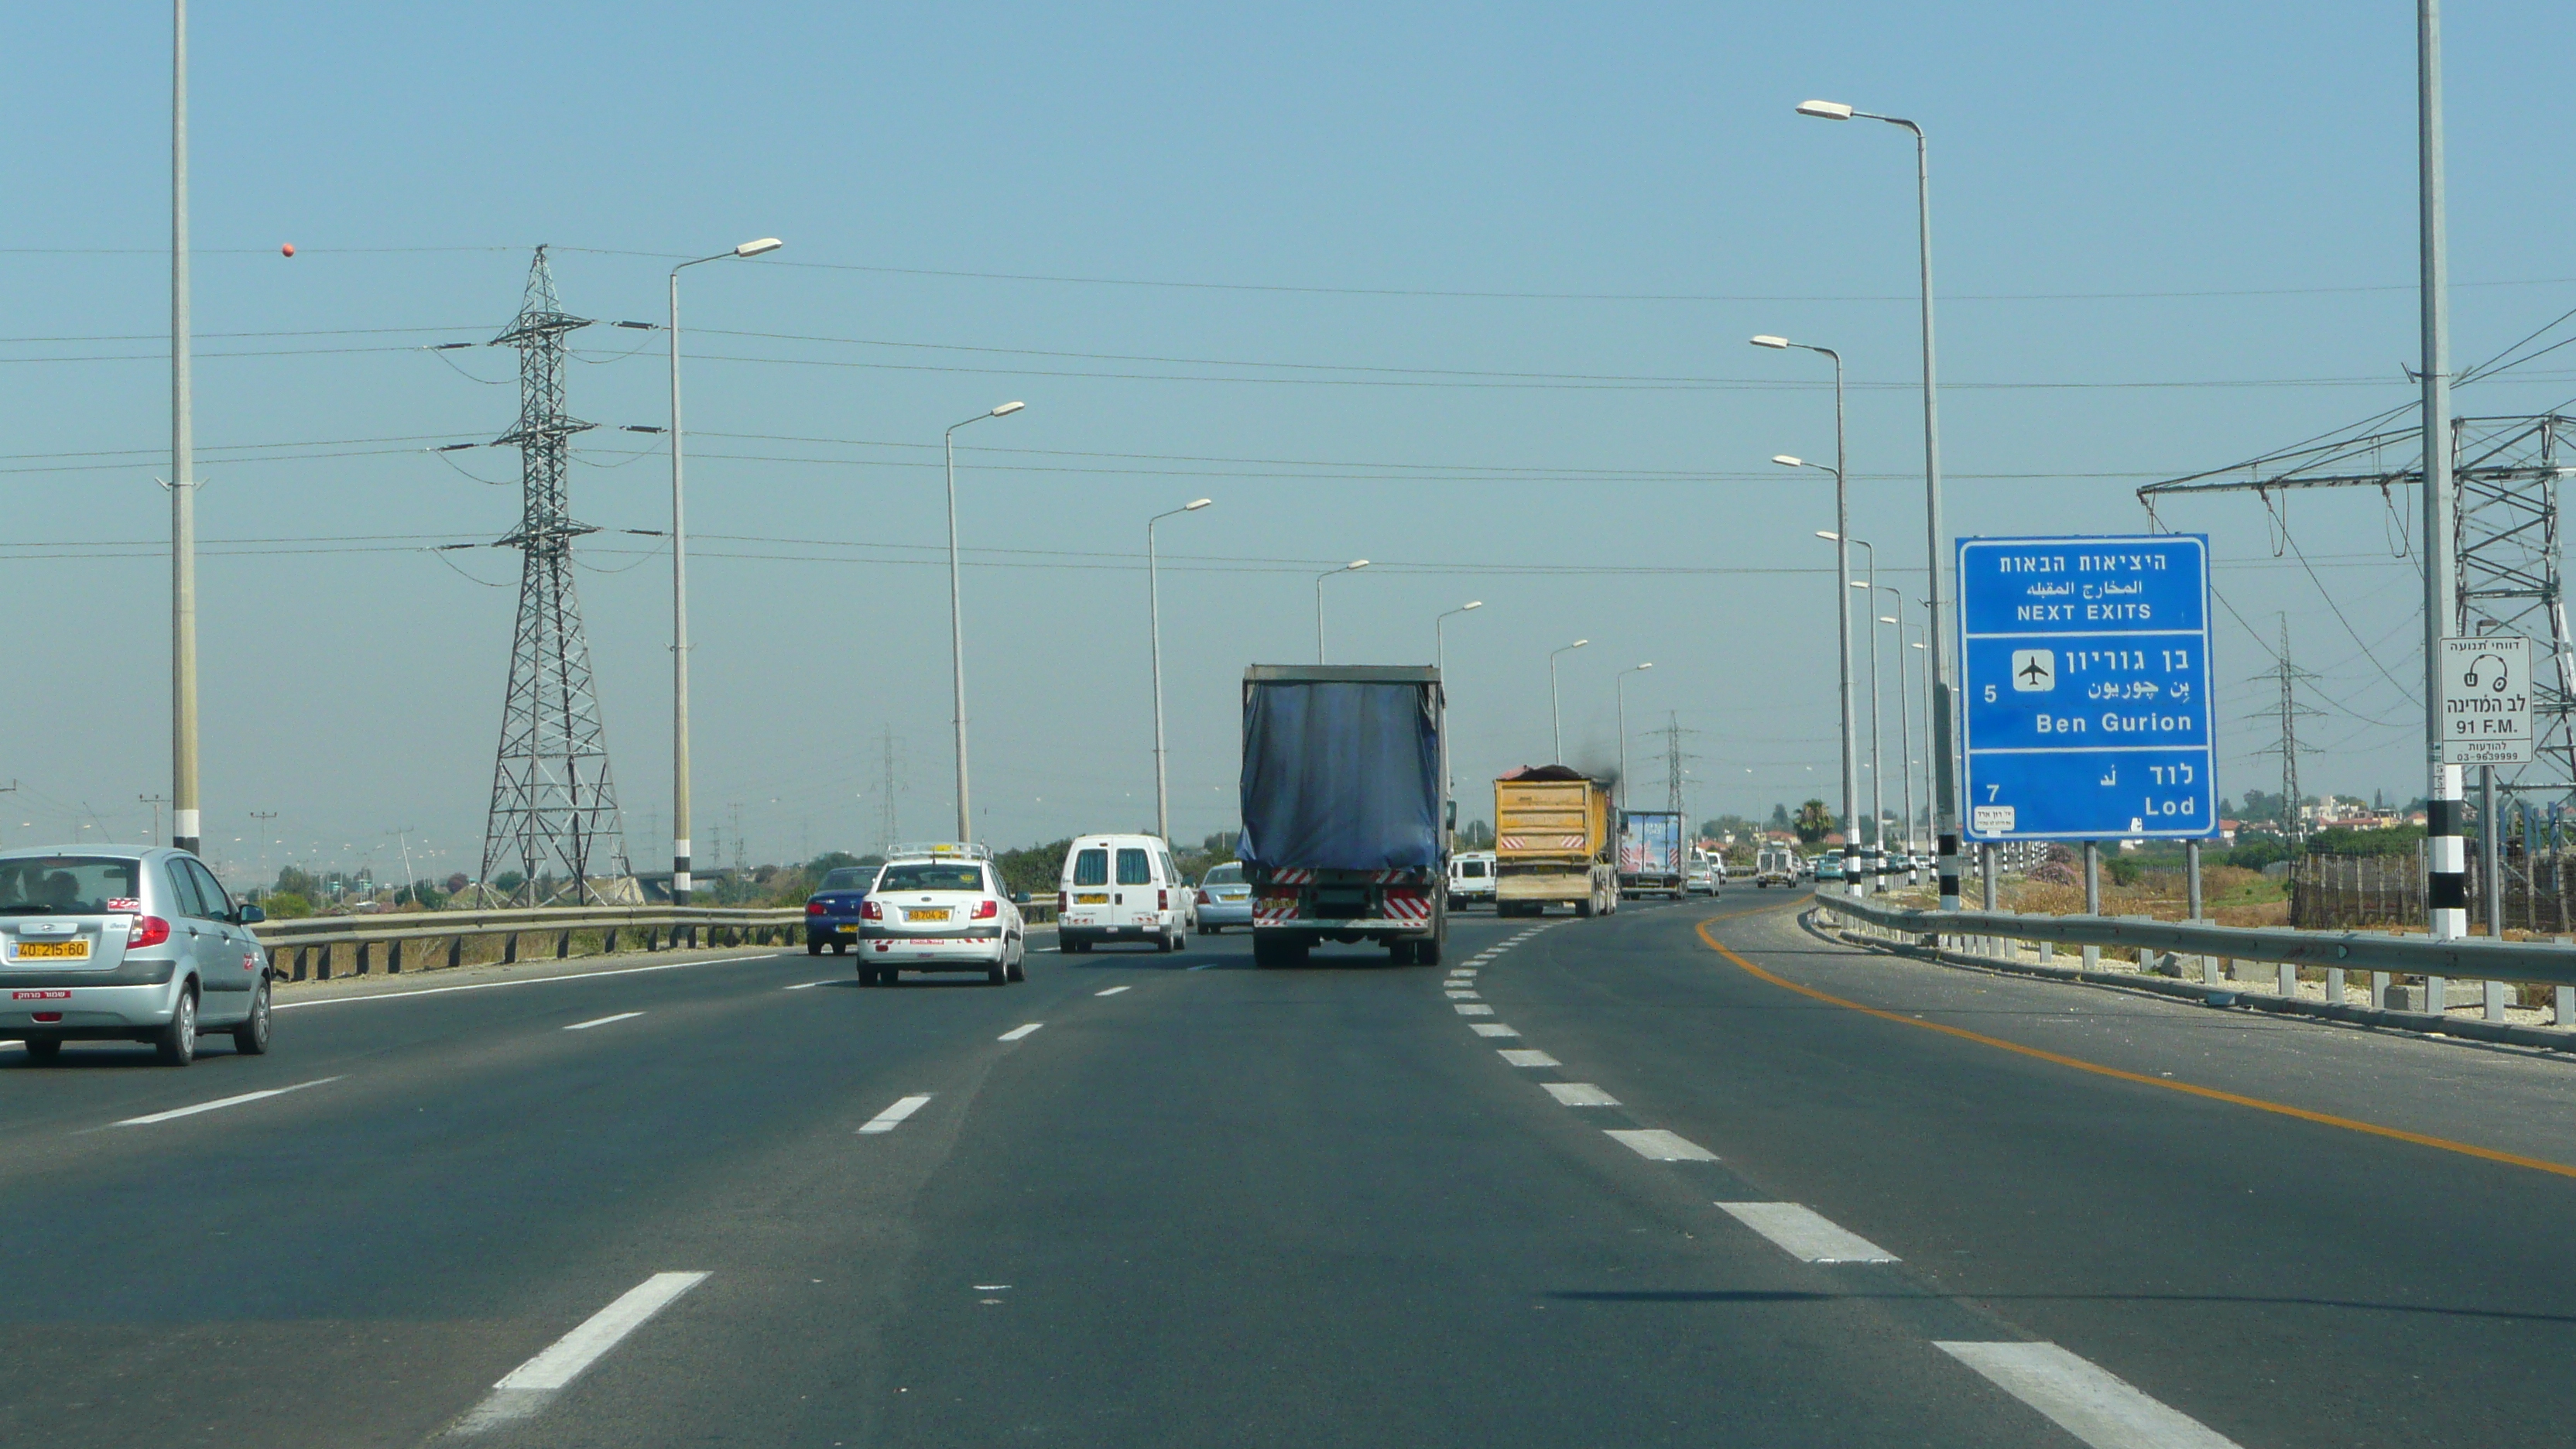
x,y
2334,984
2379,990
2495,1000
2092,897
563,944
510,949
2286,978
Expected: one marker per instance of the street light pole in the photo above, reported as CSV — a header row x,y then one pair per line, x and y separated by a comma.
x,y
956,615
1619,686
2446,897
680,884
1555,720
1352,567
1154,606
1877,762
1942,668
1842,603
1904,732
184,814
1440,653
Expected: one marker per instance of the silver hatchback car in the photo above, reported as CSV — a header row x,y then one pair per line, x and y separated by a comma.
x,y
126,944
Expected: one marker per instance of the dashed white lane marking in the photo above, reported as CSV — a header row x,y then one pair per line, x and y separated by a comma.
x,y
1462,996
892,1117
2086,1400
220,1102
1580,1094
1017,1032
1203,966
527,1388
1802,1232
1112,991
1490,1028
1657,1145
1528,1057
804,985
603,1020
1469,1008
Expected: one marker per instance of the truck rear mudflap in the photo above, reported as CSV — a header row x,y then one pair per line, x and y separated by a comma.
x,y
1347,903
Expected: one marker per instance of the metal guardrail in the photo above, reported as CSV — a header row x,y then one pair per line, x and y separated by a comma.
x,y
311,939
2385,956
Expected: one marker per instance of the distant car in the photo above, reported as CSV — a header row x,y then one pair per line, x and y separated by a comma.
x,y
1829,867
1121,888
832,911
103,943
1700,879
1471,879
940,908
1224,898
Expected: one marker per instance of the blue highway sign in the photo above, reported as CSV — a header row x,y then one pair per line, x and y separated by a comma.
x,y
2085,663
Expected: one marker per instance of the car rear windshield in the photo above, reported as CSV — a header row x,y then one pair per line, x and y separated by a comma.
x,y
1224,875
931,878
1090,867
1135,868
849,878
1471,869
70,885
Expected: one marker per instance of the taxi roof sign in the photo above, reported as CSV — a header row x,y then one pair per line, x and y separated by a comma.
x,y
940,850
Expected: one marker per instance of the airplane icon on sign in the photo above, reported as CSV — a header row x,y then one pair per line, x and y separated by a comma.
x,y
2034,670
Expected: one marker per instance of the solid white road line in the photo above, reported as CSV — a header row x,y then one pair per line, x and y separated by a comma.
x,y
1657,1145
2086,1400
1528,1057
1490,1028
146,1121
525,1389
603,1020
1469,1008
1017,1032
1579,1094
892,1117
1112,991
1802,1232
523,981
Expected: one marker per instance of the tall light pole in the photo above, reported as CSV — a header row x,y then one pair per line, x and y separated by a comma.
x,y
1942,673
1440,653
184,814
1877,761
1904,731
1619,686
2446,896
1154,606
956,616
1842,601
1555,720
680,592
1354,566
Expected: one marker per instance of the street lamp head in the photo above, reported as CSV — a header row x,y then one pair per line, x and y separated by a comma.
x,y
1857,584
1825,110
1767,340
1579,643
1649,664
755,248
1195,507
1828,535
1006,409
1355,565
1787,461
1471,604
1884,619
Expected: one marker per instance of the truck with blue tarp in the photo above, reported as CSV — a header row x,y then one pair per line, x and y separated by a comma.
x,y
1343,831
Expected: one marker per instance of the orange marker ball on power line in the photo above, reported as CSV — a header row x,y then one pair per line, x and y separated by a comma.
x,y
288,249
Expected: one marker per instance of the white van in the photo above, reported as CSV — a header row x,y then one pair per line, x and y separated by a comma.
x,y
1471,878
1122,888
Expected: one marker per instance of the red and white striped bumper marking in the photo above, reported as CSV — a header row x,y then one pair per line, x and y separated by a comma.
x,y
1408,906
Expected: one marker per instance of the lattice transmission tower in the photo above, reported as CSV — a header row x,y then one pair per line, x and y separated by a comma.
x,y
2506,539
554,806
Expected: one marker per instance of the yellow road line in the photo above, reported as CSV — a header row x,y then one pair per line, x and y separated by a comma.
x,y
2326,1119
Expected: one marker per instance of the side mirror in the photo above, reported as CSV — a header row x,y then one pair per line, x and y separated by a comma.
x,y
1453,815
248,915
1019,898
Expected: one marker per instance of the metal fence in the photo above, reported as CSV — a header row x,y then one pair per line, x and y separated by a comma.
x,y
2408,977
2340,892
308,949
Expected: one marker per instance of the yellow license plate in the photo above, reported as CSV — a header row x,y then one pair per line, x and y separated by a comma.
x,y
53,950
940,914
1092,898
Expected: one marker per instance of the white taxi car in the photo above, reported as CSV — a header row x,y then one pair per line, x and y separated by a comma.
x,y
940,908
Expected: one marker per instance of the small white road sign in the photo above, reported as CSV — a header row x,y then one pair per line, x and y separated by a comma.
x,y
2486,701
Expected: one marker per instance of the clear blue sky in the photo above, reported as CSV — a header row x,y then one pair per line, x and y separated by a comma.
x,y
2127,198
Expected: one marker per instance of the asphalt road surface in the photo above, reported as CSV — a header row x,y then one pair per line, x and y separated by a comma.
x,y
1684,1176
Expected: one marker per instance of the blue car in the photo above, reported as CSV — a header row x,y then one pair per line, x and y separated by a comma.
x,y
832,912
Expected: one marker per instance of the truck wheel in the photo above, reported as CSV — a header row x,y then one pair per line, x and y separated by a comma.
x,y
1426,951
1583,908
1271,951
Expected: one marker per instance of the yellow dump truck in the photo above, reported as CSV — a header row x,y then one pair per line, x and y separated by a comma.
x,y
1555,843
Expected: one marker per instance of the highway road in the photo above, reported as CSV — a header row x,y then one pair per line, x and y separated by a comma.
x,y
1567,1189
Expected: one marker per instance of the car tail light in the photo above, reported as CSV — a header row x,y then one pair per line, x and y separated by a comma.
x,y
1203,899
987,910
146,931
869,910
1162,900
813,908
1063,902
